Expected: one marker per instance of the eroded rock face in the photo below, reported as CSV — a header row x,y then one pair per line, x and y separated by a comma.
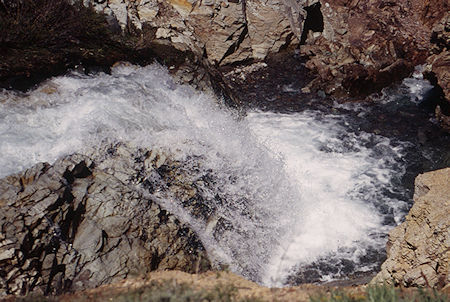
x,y
355,47
419,249
366,44
222,32
440,60
80,223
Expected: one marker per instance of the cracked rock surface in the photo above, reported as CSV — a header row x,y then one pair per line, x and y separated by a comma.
x,y
80,223
221,32
419,249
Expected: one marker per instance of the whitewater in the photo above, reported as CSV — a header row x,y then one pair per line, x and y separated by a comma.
x,y
300,188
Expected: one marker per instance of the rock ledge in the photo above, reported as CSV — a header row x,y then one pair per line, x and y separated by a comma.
x,y
419,249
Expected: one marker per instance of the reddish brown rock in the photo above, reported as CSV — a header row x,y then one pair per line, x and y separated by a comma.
x,y
355,47
439,61
368,44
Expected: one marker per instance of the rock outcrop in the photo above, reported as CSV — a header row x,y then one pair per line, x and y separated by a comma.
x,y
419,249
353,47
80,223
220,31
367,44
439,67
440,60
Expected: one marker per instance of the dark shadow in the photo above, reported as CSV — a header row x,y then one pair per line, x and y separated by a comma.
x,y
313,22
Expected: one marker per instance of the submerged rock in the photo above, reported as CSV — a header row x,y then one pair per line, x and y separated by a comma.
x,y
79,223
419,249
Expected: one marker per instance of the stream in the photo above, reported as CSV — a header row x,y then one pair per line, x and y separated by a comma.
x,y
311,194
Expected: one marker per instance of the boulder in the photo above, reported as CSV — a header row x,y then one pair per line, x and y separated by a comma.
x,y
80,223
418,250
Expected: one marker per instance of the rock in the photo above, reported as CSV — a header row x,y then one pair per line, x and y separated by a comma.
x,y
440,60
355,47
80,223
222,32
418,250
366,45
440,66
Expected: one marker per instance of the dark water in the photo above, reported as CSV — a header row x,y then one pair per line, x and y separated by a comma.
x,y
324,180
403,113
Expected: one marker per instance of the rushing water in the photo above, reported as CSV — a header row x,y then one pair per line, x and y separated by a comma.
x,y
300,188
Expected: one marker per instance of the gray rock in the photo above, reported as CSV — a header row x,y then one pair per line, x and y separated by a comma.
x,y
81,223
226,31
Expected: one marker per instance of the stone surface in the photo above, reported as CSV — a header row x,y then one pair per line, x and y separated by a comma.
x,y
81,223
440,60
419,249
366,45
221,32
353,47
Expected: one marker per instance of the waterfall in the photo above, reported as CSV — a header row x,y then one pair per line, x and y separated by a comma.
x,y
286,189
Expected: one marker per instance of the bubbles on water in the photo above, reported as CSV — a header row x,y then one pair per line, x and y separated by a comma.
x,y
278,190
416,85
341,174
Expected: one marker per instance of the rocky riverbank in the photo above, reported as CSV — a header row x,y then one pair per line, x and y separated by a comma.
x,y
83,222
87,220
351,48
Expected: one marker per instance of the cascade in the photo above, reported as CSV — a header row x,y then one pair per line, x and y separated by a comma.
x,y
283,190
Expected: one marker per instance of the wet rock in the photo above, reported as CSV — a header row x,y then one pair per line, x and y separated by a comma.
x,y
80,223
418,249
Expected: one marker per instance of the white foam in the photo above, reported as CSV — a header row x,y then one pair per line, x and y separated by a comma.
x,y
335,214
308,184
416,85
